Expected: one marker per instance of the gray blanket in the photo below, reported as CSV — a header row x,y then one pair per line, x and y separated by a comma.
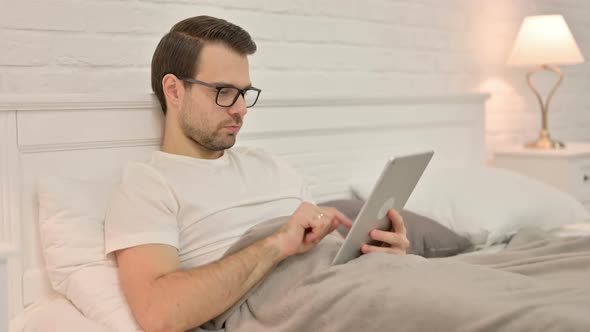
x,y
539,283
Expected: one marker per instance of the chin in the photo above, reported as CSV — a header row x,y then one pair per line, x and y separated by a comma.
x,y
229,143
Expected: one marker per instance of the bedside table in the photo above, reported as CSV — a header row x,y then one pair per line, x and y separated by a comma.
x,y
566,169
5,252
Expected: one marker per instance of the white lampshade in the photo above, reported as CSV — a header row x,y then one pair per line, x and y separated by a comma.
x,y
544,40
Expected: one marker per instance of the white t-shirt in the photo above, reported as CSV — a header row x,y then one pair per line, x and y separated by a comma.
x,y
200,206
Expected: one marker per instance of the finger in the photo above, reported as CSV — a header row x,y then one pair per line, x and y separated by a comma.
x,y
313,238
397,222
327,222
326,219
390,238
334,226
314,216
315,213
333,221
341,217
309,237
365,249
320,226
313,233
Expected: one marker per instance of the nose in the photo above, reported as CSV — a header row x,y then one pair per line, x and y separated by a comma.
x,y
239,107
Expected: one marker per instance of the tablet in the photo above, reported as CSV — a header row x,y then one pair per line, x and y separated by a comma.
x,y
392,190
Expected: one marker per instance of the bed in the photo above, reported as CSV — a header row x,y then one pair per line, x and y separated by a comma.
x,y
332,142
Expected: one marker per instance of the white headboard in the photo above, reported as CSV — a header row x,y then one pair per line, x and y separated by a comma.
x,y
330,141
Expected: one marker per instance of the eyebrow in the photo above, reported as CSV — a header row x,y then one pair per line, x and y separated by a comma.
x,y
229,85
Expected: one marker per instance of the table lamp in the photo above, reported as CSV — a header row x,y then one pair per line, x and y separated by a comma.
x,y
544,42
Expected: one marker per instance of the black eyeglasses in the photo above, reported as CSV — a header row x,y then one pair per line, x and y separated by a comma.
x,y
228,95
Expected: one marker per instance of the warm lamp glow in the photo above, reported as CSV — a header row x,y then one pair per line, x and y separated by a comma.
x,y
544,40
542,43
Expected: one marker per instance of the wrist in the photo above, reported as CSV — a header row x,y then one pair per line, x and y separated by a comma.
x,y
276,245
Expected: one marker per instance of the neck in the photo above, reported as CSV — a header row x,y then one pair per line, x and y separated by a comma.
x,y
176,142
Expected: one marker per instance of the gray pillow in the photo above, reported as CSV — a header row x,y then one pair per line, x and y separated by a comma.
x,y
427,237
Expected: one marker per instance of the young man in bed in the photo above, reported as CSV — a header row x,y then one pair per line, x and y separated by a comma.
x,y
172,218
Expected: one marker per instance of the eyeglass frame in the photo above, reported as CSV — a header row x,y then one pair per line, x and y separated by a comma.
x,y
219,87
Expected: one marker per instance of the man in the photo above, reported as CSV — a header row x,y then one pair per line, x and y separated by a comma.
x,y
172,218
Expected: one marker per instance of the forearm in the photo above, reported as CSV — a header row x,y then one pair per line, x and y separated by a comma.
x,y
189,298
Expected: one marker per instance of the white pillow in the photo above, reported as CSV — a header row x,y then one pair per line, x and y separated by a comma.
x,y
41,317
71,223
488,205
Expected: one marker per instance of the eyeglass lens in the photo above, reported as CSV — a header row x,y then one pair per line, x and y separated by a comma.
x,y
226,96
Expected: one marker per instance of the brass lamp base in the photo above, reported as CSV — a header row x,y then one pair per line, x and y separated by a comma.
x,y
545,142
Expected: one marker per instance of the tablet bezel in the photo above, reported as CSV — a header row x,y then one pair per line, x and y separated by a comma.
x,y
383,190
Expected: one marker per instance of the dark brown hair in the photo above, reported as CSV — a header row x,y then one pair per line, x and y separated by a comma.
x,y
178,51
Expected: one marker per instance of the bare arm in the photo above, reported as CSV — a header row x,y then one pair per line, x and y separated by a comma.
x,y
163,297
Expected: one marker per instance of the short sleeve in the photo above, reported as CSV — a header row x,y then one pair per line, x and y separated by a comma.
x,y
143,211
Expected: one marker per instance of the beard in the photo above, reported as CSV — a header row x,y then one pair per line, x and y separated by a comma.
x,y
214,140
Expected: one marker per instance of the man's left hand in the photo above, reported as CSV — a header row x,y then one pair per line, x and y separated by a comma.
x,y
395,241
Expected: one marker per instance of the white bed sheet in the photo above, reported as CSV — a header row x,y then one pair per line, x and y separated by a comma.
x,y
576,229
568,230
53,314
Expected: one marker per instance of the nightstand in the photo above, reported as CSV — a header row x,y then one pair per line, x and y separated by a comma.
x,y
5,252
566,169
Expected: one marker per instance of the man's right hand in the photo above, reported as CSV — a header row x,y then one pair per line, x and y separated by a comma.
x,y
165,297
308,225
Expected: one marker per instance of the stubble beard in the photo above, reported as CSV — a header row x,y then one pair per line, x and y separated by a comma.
x,y
212,141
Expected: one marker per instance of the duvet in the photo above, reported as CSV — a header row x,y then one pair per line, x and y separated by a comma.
x,y
539,283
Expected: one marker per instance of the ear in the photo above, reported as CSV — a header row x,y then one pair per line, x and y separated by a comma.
x,y
173,90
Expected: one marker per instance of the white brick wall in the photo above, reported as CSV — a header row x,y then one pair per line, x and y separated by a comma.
x,y
308,48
